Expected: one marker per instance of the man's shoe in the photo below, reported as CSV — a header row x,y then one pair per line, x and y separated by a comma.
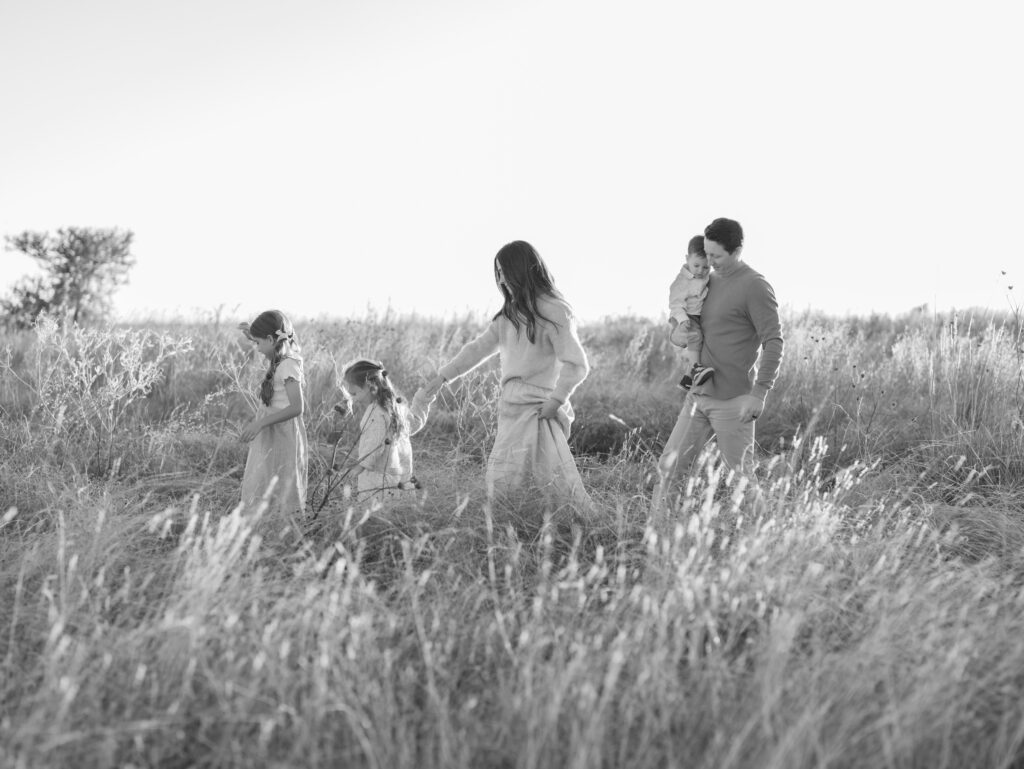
x,y
701,374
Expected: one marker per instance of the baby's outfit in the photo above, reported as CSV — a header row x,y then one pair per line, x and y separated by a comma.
x,y
685,300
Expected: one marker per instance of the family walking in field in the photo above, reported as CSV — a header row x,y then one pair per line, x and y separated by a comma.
x,y
722,313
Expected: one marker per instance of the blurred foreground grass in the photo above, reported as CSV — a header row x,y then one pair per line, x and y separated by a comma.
x,y
869,617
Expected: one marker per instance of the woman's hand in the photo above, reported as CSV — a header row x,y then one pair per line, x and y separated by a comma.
x,y
433,387
250,430
549,409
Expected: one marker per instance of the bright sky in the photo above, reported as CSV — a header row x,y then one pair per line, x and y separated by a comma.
x,y
326,157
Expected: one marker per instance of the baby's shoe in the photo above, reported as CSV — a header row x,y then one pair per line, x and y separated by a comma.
x,y
686,382
701,374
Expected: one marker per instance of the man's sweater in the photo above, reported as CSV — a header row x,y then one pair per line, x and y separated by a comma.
x,y
555,360
739,317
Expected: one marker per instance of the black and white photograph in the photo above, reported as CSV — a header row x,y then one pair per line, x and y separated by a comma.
x,y
511,385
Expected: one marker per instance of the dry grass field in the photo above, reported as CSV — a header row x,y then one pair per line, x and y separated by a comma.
x,y
872,616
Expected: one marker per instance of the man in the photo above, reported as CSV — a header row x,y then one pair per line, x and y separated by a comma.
x,y
740,316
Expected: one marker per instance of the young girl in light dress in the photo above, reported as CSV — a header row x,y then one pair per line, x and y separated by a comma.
x,y
383,470
542,363
277,435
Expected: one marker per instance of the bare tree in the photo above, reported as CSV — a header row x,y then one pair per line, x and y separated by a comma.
x,y
82,268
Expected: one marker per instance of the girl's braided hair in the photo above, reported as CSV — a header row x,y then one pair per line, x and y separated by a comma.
x,y
276,324
373,375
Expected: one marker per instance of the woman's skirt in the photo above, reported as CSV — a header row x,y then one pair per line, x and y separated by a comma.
x,y
531,454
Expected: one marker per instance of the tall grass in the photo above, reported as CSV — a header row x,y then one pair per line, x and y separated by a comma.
x,y
866,615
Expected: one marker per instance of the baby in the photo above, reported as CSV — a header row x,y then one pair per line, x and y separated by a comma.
x,y
685,299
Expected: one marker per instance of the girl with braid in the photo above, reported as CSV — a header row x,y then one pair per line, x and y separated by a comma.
x,y
276,466
383,469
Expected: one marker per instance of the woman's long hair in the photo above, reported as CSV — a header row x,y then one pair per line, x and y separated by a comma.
x,y
276,324
372,374
526,279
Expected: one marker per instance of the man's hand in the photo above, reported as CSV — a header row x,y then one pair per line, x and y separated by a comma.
x,y
750,408
677,335
549,409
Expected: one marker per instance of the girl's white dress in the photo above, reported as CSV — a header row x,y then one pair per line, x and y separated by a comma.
x,y
387,461
278,451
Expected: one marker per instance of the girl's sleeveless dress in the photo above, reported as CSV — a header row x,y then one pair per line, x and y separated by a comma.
x,y
278,453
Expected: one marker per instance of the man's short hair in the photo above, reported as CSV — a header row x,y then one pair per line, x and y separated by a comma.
x,y
726,232
696,245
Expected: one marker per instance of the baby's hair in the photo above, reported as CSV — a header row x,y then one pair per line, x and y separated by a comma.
x,y
696,245
528,279
273,323
372,374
